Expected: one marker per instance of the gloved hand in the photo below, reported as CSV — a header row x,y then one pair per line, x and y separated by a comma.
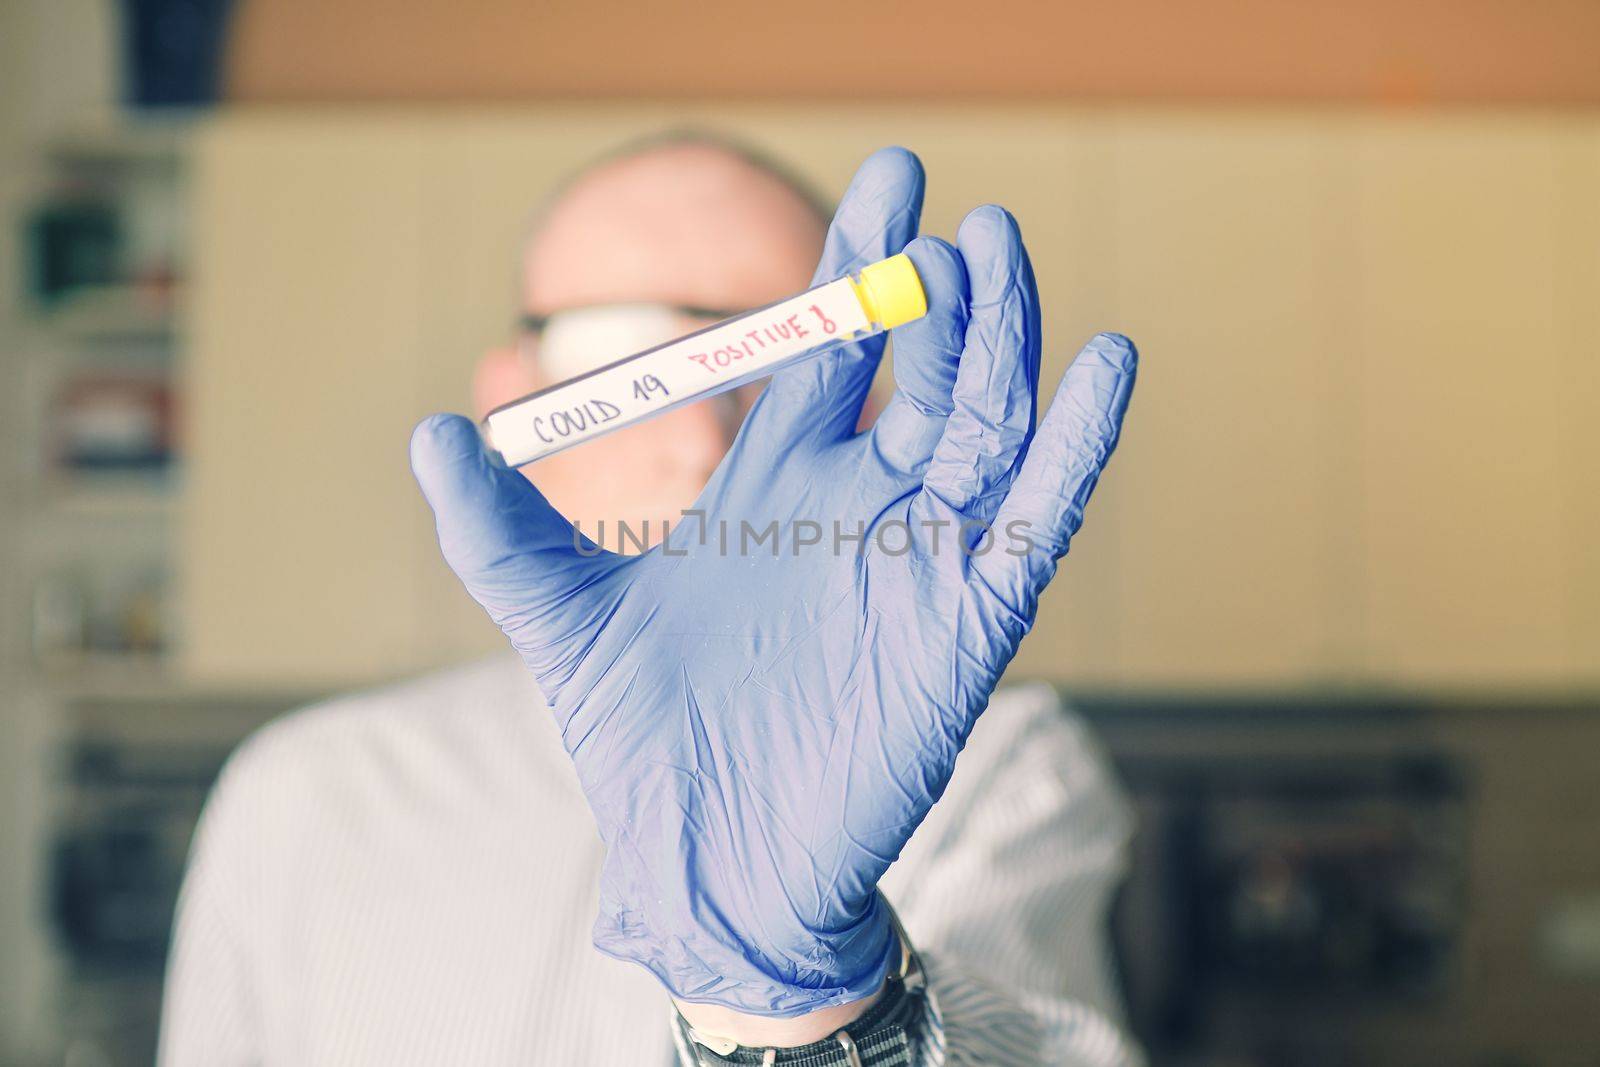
x,y
759,733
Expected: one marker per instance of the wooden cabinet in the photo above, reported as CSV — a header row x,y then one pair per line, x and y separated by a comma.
x,y
302,535
1363,450
1467,238
1220,241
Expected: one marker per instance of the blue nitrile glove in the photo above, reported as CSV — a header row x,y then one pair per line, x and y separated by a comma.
x,y
759,735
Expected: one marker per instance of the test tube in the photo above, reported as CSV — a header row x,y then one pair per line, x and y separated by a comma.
x,y
724,356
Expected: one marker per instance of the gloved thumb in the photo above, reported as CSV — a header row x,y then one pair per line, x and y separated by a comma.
x,y
514,552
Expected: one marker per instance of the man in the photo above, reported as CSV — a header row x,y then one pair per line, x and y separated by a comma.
x,y
410,876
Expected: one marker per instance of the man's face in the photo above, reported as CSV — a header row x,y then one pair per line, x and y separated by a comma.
x,y
685,226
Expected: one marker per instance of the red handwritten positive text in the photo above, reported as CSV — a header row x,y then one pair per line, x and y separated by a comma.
x,y
762,337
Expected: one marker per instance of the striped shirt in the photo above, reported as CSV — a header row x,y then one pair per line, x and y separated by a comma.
x,y
409,876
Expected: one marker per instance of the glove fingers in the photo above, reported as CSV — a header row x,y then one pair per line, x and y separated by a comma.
x,y
926,355
821,398
989,429
514,552
1045,506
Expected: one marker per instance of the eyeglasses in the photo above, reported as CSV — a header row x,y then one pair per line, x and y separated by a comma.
x,y
574,341
529,322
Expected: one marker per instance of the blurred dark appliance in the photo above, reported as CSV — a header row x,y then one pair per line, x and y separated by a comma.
x,y
119,855
173,50
1303,876
132,774
1279,872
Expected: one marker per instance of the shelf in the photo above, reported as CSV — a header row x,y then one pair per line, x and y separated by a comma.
x,y
110,313
109,676
130,141
116,496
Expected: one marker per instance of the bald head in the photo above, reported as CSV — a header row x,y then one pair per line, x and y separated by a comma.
x,y
680,222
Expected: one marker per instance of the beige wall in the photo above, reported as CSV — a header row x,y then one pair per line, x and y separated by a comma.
x,y
1362,451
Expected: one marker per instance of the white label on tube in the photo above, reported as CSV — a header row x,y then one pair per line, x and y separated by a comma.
x,y
635,388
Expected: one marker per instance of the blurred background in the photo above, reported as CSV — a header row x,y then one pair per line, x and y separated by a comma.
x,y
1337,614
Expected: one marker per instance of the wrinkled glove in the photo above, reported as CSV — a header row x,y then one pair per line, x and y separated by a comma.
x,y
760,723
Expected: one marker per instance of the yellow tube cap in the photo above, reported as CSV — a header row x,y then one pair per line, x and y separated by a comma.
x,y
891,292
